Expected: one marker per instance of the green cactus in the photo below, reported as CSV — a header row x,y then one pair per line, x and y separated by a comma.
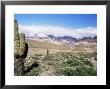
x,y
16,48
20,50
22,44
47,51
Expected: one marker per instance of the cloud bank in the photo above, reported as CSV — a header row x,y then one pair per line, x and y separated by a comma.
x,y
31,30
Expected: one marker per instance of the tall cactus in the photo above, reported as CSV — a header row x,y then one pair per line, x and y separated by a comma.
x,y
20,50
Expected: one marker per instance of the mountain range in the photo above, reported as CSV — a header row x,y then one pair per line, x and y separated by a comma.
x,y
61,39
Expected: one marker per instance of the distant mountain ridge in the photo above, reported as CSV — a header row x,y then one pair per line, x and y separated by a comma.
x,y
62,39
92,39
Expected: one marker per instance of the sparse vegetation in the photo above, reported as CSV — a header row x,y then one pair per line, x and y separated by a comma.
x,y
59,62
79,71
64,64
34,72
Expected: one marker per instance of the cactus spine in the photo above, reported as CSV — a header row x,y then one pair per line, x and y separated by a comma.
x,y
20,50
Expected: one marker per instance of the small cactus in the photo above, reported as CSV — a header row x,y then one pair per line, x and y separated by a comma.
x,y
47,51
20,50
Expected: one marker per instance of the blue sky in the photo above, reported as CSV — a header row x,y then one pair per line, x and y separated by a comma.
x,y
75,25
62,20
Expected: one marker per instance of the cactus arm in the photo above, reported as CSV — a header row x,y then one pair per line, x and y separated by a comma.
x,y
16,34
22,45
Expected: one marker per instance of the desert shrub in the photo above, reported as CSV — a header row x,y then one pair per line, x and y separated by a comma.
x,y
34,72
87,62
80,71
65,71
84,71
51,63
81,57
50,57
73,62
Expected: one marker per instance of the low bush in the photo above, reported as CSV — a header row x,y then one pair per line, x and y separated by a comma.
x,y
84,71
86,62
34,72
73,62
65,71
79,71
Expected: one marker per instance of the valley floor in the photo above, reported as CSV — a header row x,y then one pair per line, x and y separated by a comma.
x,y
54,62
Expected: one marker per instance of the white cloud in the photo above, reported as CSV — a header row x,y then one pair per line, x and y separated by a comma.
x,y
31,30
